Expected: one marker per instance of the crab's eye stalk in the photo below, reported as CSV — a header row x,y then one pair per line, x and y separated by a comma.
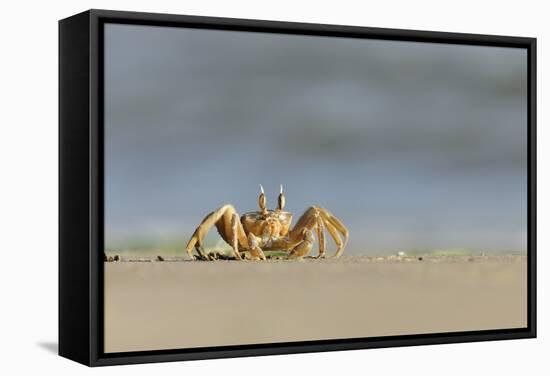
x,y
262,201
282,199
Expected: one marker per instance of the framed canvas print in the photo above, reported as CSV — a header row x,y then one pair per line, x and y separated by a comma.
x,y
236,187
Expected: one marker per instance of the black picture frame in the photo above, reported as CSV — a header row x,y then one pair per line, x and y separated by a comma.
x,y
81,187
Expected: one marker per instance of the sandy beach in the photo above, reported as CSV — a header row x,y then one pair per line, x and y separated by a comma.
x,y
153,305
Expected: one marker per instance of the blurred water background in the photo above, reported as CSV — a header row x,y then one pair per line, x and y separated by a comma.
x,y
414,146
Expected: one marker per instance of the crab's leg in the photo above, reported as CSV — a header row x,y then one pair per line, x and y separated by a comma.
x,y
303,248
318,217
310,221
235,235
321,238
335,236
334,225
230,229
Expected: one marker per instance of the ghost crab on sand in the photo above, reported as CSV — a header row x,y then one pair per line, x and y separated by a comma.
x,y
269,230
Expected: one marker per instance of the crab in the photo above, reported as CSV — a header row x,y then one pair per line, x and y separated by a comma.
x,y
270,230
